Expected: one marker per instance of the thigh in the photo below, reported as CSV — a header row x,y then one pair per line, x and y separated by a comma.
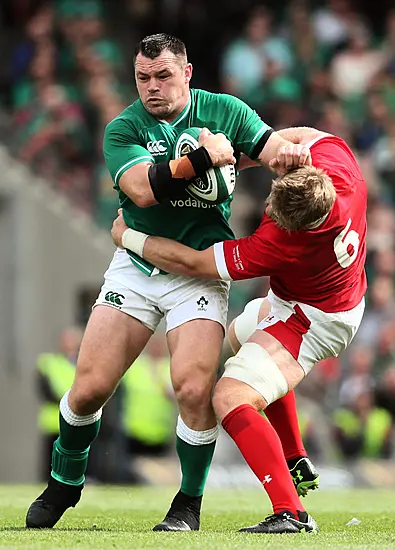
x,y
195,349
111,343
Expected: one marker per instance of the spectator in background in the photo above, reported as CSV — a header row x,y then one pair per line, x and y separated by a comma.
x,y
381,310
333,23
385,350
359,375
381,234
355,67
252,60
385,391
383,159
55,374
363,430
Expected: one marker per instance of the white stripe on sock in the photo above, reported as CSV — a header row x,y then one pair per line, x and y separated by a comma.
x,y
74,419
194,437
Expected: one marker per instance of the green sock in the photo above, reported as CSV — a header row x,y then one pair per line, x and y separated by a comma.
x,y
71,450
195,464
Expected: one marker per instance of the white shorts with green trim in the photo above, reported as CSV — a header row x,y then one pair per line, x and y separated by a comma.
x,y
179,299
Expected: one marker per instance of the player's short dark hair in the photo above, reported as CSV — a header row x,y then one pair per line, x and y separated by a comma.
x,y
301,198
153,45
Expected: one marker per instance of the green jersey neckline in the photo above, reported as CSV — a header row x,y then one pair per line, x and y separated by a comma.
x,y
179,117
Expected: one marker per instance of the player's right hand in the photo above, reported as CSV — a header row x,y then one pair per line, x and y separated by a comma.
x,y
289,157
218,147
118,228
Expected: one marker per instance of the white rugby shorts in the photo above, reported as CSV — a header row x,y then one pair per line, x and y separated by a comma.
x,y
309,334
177,298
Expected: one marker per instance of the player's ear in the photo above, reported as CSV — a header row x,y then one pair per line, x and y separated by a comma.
x,y
188,72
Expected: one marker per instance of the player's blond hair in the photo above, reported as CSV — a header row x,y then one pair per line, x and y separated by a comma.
x,y
301,198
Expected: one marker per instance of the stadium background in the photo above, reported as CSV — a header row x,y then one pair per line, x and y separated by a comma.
x,y
66,71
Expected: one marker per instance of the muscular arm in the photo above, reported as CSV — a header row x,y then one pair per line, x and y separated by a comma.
x,y
302,135
177,258
135,184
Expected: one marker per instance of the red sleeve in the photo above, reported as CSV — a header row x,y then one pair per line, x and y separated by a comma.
x,y
246,258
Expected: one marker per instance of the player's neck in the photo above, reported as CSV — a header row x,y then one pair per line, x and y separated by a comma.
x,y
169,119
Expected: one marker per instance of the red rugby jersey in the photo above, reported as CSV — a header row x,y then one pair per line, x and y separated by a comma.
x,y
322,267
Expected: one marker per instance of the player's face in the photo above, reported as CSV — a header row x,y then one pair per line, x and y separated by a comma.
x,y
163,84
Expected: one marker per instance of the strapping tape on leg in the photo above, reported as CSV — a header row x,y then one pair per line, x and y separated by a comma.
x,y
246,323
255,367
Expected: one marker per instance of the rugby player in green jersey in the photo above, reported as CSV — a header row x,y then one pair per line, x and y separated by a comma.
x,y
136,296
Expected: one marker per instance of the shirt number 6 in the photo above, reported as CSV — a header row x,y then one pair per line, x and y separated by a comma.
x,y
346,246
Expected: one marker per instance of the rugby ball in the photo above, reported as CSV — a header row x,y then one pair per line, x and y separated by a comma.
x,y
217,184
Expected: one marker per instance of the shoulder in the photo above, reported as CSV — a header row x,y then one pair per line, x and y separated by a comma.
x,y
333,155
216,99
128,120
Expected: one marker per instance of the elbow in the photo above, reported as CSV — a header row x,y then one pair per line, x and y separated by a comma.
x,y
143,200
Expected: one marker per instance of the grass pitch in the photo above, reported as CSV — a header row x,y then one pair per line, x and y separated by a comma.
x,y
110,517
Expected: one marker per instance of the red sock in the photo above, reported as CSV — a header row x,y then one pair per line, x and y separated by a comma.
x,y
261,447
283,416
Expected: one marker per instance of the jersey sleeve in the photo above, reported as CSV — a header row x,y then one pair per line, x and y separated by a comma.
x,y
250,132
246,258
121,149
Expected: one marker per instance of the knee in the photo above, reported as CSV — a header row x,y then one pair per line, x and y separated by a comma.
x,y
193,393
88,396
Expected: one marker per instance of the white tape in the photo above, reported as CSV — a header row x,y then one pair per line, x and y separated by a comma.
x,y
255,367
134,241
246,323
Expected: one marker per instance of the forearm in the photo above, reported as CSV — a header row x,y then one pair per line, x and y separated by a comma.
x,y
172,256
148,184
135,184
300,134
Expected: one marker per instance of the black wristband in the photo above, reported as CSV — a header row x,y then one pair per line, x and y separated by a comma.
x,y
163,185
200,160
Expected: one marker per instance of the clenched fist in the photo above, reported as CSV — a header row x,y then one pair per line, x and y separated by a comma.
x,y
289,157
218,147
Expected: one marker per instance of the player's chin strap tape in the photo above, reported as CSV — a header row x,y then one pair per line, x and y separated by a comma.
x,y
167,178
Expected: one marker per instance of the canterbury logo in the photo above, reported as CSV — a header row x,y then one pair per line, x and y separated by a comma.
x,y
114,298
156,147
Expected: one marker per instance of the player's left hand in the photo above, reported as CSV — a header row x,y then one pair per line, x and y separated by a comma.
x,y
289,157
118,228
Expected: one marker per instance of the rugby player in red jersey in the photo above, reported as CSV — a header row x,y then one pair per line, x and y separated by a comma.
x,y
311,242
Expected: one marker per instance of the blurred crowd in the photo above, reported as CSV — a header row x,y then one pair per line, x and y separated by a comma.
x,y
325,64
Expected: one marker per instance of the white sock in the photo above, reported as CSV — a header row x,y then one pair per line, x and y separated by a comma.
x,y
194,437
74,419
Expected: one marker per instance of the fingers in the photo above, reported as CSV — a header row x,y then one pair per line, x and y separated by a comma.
x,y
293,156
274,165
204,133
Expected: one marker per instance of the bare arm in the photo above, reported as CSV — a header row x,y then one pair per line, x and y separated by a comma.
x,y
135,184
177,258
164,253
302,135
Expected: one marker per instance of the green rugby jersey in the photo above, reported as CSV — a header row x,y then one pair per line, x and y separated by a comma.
x,y
136,136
